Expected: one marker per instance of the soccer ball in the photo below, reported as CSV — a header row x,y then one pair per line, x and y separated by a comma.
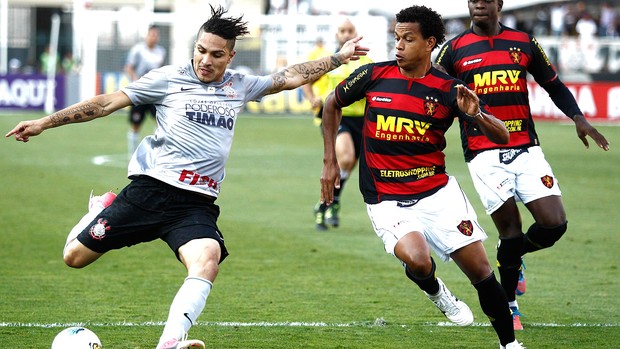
x,y
76,338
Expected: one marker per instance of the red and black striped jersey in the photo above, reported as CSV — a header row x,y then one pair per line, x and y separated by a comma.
x,y
405,121
496,69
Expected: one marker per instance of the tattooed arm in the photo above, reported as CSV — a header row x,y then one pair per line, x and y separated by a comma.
x,y
96,107
303,73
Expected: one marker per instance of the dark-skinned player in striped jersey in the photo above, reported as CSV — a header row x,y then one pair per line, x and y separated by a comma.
x,y
413,204
494,61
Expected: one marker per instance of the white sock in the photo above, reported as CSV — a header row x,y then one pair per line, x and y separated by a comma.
x,y
513,304
187,305
82,224
344,174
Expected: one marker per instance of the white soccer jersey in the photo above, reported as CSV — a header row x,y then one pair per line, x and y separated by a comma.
x,y
143,59
195,125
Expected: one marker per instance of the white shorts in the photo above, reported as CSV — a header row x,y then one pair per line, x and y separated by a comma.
x,y
446,219
500,174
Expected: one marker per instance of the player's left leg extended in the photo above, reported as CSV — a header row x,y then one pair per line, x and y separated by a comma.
x,y
473,261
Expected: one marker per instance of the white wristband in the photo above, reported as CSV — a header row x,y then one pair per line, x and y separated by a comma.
x,y
477,115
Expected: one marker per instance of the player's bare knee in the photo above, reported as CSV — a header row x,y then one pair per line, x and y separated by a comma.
x,y
73,259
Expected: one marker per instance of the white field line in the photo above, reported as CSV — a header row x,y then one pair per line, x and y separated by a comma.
x,y
116,160
376,323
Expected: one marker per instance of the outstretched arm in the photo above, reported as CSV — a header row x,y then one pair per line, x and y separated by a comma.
x,y
93,108
493,128
302,73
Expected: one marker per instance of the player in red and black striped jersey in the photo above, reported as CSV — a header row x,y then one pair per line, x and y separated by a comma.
x,y
494,61
412,202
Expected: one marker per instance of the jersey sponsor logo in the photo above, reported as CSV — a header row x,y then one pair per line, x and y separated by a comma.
x,y
492,78
514,125
515,54
542,52
497,81
401,129
508,156
98,230
415,173
194,178
407,203
353,81
466,227
381,99
547,181
211,114
472,61
430,105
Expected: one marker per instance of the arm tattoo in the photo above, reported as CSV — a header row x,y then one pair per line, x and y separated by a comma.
x,y
309,71
82,112
279,79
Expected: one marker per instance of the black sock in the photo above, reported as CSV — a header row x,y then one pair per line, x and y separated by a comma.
x,y
495,305
337,191
509,255
323,207
428,284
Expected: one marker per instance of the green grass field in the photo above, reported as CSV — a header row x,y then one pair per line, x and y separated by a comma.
x,y
286,285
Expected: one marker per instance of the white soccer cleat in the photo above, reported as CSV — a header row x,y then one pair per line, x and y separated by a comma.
x,y
454,309
513,345
183,344
101,201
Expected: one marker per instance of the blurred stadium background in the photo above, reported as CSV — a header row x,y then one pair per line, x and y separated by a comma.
x,y
91,38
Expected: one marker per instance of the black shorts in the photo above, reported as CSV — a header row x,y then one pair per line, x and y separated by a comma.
x,y
148,209
137,114
354,125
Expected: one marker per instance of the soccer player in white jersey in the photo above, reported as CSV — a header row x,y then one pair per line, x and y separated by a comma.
x,y
142,58
177,172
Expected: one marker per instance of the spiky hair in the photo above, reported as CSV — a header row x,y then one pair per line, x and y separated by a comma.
x,y
229,28
431,23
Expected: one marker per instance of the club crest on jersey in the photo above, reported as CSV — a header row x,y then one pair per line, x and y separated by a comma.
x,y
98,230
430,105
515,54
466,227
229,90
547,181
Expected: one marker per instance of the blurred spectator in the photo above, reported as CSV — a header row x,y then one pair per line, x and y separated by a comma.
x,y
508,19
277,7
453,26
557,15
46,61
586,27
570,20
607,21
68,64
15,66
541,24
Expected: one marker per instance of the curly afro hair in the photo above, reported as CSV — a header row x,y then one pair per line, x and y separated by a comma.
x,y
431,23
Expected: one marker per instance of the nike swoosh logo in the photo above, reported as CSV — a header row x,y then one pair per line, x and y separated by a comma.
x,y
190,320
186,88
